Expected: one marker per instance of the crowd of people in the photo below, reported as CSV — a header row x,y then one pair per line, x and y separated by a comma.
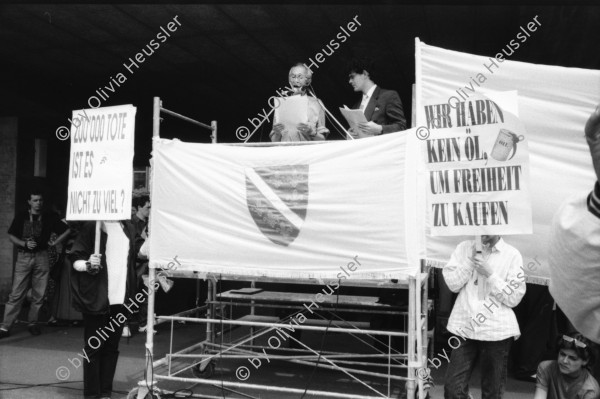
x,y
488,278
492,278
88,288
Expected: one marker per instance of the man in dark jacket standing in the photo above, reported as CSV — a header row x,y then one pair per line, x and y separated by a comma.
x,y
102,286
30,232
382,108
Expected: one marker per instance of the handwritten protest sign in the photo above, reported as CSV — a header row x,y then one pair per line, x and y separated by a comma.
x,y
101,164
477,165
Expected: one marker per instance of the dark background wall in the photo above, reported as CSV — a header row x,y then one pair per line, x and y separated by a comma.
x,y
226,60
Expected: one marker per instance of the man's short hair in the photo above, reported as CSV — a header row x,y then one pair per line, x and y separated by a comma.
x,y
140,201
574,341
34,191
307,69
360,65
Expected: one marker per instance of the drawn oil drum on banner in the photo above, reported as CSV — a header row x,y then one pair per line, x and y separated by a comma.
x,y
505,143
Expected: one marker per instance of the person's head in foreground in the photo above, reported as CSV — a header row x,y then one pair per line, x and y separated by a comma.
x,y
574,354
592,135
568,376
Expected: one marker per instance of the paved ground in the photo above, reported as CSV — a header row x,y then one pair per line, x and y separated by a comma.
x,y
26,361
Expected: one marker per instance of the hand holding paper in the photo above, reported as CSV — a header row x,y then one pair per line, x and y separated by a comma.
x,y
369,128
277,132
306,131
291,113
359,126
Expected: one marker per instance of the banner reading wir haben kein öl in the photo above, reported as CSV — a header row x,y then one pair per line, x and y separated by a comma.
x,y
477,165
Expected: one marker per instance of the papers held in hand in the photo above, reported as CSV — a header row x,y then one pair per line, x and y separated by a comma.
x,y
354,117
290,112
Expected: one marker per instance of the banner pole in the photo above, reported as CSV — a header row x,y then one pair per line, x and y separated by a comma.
x,y
156,117
97,238
479,255
418,83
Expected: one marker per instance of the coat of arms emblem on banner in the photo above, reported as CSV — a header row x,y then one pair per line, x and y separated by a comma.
x,y
277,198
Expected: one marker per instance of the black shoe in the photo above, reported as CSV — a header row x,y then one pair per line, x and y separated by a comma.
x,y
34,329
4,333
56,323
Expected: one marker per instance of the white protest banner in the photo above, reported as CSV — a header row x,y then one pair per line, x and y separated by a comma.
x,y
288,211
101,163
477,167
560,163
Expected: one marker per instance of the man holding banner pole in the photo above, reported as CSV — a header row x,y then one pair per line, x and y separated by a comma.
x,y
103,277
103,283
489,284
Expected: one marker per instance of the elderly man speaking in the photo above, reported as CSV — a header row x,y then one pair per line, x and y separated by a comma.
x,y
300,78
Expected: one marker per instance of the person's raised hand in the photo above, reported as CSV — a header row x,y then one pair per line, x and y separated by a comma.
x,y
481,266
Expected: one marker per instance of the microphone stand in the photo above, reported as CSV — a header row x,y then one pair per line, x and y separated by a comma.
x,y
311,92
256,128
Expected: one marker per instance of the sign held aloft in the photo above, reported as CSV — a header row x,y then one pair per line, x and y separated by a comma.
x,y
101,164
477,163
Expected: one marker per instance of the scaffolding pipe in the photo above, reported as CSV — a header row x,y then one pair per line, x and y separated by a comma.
x,y
269,388
275,325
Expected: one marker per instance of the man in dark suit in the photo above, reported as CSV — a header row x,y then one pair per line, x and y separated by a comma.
x,y
382,108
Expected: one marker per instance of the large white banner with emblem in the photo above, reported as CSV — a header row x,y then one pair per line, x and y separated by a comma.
x,y
305,211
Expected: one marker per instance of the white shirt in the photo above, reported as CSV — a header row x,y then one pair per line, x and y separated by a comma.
x,y
117,251
366,98
483,309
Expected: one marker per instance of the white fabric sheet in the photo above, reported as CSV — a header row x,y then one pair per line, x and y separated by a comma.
x,y
336,203
554,104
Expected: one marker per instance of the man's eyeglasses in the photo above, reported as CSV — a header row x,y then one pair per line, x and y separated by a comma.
x,y
571,339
